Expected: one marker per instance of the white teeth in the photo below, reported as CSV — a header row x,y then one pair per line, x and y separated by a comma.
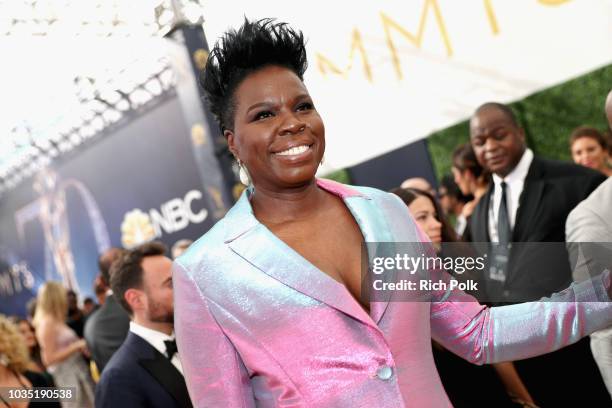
x,y
294,151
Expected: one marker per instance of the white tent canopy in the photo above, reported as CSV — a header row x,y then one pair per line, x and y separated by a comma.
x,y
386,73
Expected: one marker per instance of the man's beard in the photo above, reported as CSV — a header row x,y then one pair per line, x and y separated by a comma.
x,y
159,314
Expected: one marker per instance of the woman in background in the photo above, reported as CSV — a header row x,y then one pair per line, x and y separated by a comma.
x,y
35,364
472,179
60,347
467,385
15,368
590,149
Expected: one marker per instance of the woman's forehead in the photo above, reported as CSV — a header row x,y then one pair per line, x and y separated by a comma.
x,y
269,83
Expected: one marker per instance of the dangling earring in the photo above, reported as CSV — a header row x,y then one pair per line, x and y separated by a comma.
x,y
243,173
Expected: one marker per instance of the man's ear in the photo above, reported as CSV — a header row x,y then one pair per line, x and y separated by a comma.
x,y
522,135
134,298
229,136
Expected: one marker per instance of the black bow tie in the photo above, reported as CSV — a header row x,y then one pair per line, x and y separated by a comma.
x,y
170,348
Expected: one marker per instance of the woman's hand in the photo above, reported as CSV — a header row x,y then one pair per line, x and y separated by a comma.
x,y
80,345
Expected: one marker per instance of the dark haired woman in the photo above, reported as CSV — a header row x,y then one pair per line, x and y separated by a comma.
x,y
589,148
269,306
472,180
458,376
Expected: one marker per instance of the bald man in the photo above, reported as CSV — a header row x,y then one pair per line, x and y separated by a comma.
x,y
591,221
419,183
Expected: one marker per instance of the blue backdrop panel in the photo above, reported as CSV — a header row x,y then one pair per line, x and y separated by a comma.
x,y
389,170
143,176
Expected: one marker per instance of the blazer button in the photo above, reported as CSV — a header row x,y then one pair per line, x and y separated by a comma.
x,y
384,373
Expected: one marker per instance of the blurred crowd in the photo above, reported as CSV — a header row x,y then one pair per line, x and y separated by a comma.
x,y
66,343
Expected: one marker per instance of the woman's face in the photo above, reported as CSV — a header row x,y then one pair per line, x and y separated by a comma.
x,y
425,215
28,334
277,133
589,153
463,180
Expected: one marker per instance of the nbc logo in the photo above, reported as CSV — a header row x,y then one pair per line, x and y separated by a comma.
x,y
136,229
174,215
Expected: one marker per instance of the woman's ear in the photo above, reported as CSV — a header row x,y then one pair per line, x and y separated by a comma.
x,y
229,136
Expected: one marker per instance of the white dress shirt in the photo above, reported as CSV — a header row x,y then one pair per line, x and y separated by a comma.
x,y
515,181
156,339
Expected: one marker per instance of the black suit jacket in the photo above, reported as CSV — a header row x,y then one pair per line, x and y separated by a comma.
x,y
140,376
552,189
105,330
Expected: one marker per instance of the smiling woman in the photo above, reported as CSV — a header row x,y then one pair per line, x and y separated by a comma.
x,y
271,308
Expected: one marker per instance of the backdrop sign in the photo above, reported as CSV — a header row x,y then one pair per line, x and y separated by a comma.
x,y
386,73
138,184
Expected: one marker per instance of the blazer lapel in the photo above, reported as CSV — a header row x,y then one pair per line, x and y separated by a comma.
x,y
265,251
259,246
167,375
530,199
375,230
480,217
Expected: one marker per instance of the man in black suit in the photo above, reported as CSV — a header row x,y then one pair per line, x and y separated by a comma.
x,y
106,328
146,370
528,201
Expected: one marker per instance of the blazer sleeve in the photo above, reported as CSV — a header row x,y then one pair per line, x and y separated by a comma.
x,y
485,335
214,372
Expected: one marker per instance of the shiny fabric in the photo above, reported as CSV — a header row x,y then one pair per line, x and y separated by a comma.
x,y
258,325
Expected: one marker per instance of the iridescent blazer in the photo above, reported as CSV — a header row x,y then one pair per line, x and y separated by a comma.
x,y
258,325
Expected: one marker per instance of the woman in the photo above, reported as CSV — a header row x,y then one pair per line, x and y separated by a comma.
x,y
471,178
59,345
15,368
35,361
589,148
268,304
460,378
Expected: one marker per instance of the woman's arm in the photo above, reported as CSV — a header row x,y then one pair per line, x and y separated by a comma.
x,y
50,353
214,372
489,335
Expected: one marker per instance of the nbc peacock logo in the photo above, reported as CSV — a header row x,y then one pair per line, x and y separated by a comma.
x,y
136,229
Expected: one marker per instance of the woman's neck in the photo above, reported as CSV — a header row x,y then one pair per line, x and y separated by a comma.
x,y
277,207
5,374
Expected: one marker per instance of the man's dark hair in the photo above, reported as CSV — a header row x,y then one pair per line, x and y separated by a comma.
x,y
106,260
255,45
88,300
126,272
505,109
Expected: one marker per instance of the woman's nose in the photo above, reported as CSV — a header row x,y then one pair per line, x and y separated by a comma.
x,y
292,124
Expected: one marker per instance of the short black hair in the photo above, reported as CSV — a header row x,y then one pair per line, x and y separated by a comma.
x,y
126,272
255,45
505,109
